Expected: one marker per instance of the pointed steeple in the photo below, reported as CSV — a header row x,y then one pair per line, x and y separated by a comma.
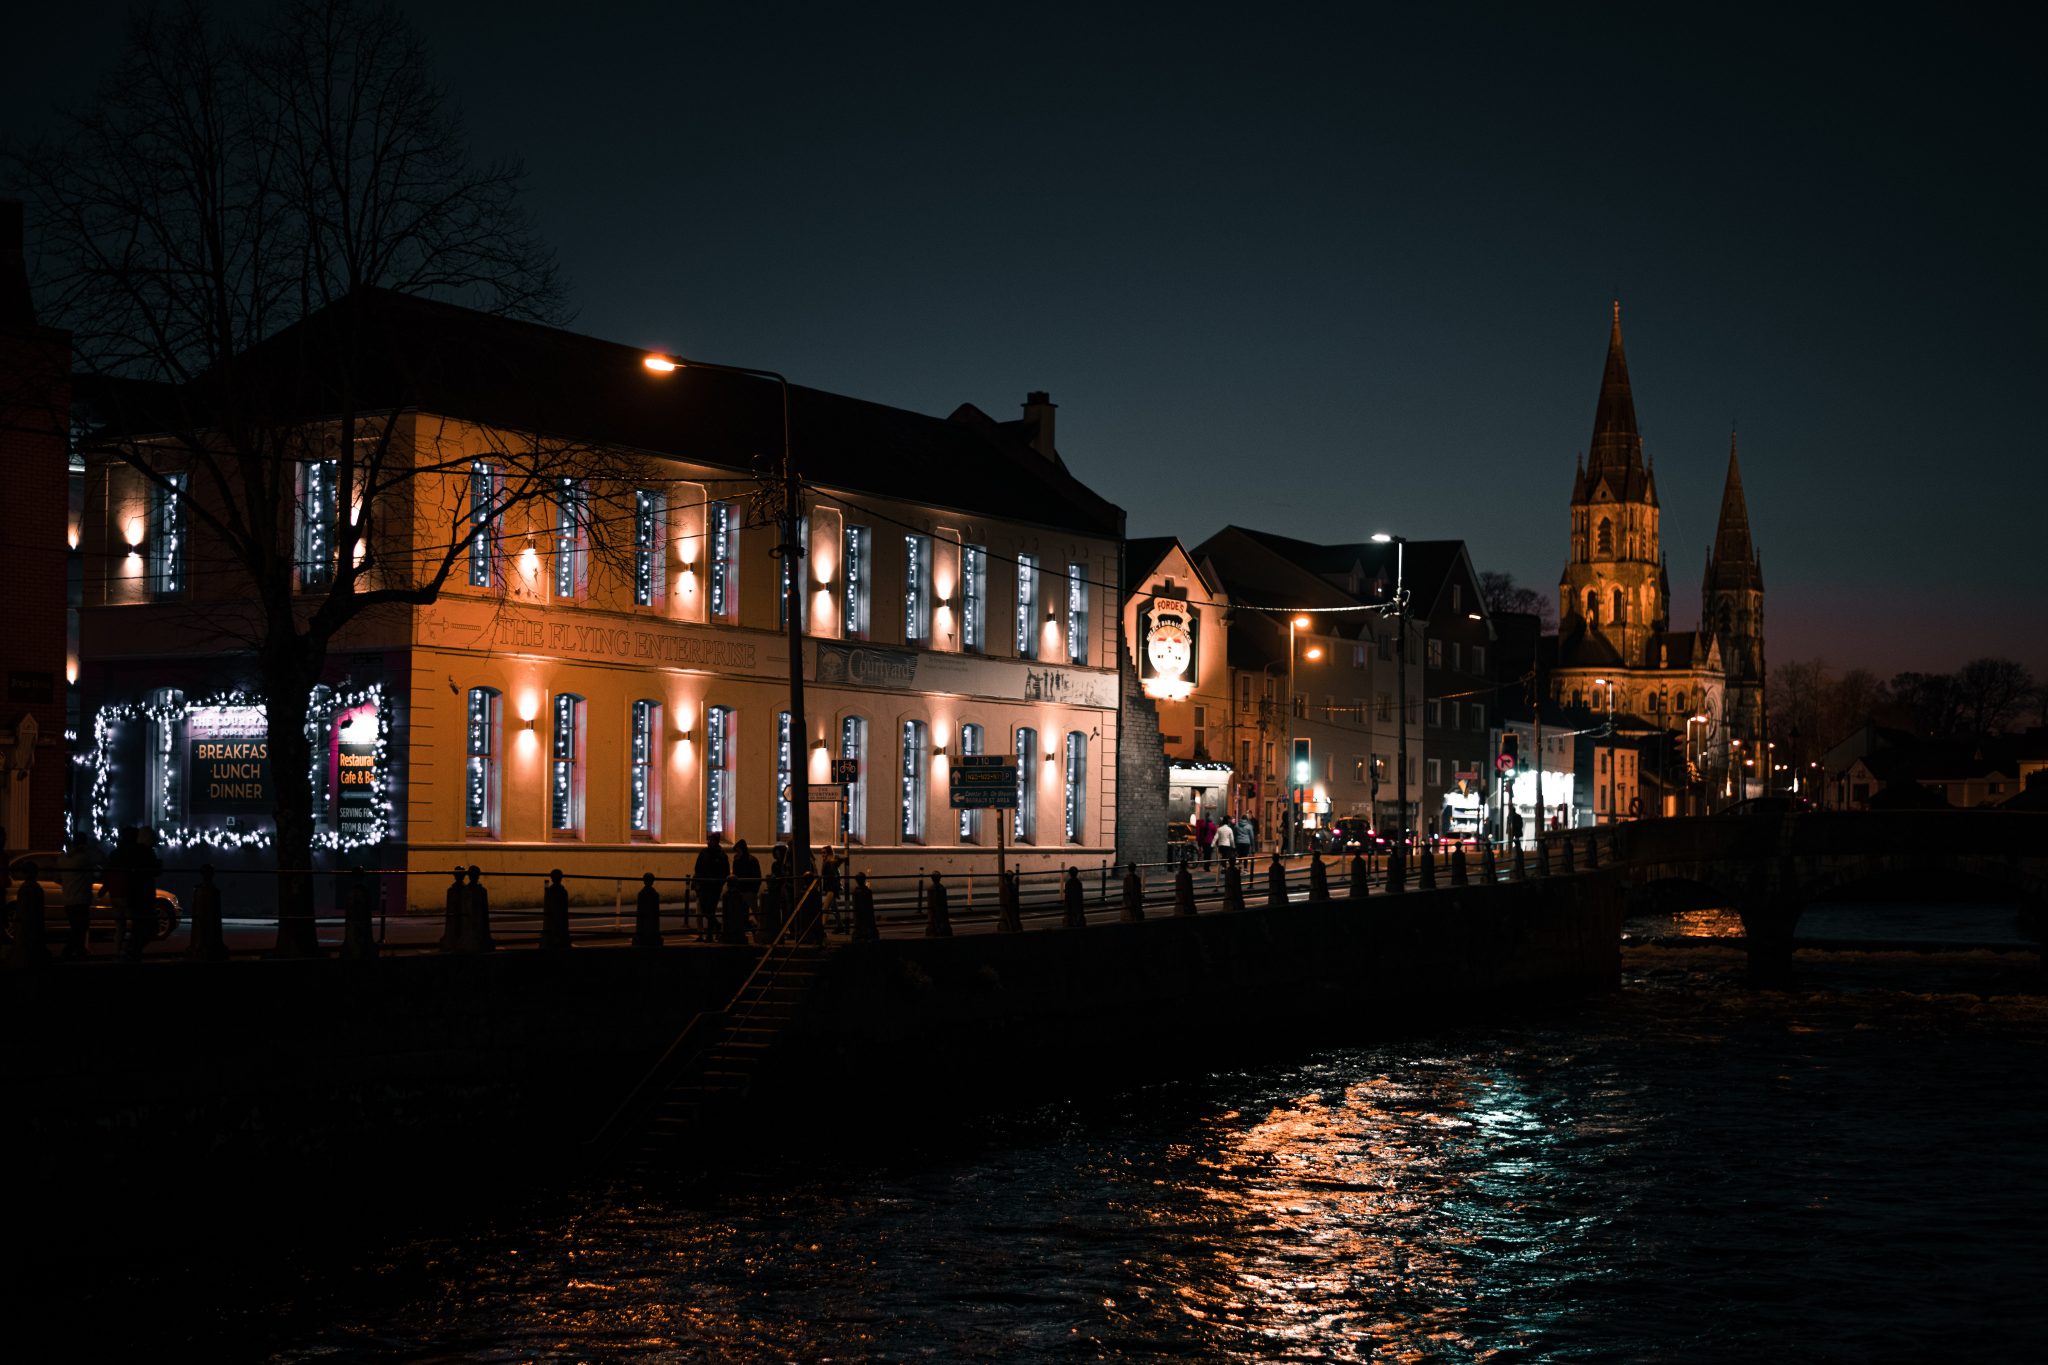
x,y
1617,445
1733,560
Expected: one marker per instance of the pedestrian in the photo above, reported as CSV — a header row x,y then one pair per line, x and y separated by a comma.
x,y
746,876
829,888
864,930
26,949
206,943
1075,911
477,913
647,914
1226,843
1514,825
937,923
453,931
554,914
1247,836
74,877
1134,896
775,894
708,878
143,867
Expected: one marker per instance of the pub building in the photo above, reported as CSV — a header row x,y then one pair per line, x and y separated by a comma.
x,y
603,679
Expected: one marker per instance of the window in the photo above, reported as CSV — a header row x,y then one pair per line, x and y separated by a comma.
x,y
650,571
1077,613
917,590
1384,704
1024,820
1457,597
572,542
565,784
912,800
643,796
1592,604
1201,731
483,524
1606,536
974,598
719,743
853,622
1386,644
316,523
1435,655
1451,714
1620,606
853,744
167,535
970,820
1457,655
725,561
1479,659
1358,655
792,564
480,794
1077,784
1435,712
785,810
1433,771
1244,691
1358,767
1027,607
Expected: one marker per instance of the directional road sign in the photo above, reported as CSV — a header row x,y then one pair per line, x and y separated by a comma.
x,y
984,781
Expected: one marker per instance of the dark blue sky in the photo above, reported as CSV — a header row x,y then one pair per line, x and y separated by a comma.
x,y
1334,270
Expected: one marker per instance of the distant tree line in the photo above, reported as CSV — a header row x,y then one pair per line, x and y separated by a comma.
x,y
1985,696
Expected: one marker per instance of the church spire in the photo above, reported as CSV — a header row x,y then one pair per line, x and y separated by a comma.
x,y
1733,561
1617,445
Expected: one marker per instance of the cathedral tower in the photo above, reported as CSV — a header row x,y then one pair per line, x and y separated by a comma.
x,y
1614,589
1732,607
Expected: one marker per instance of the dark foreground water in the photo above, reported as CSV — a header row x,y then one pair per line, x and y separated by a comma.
x,y
1856,1169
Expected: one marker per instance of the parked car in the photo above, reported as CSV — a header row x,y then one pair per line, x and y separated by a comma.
x,y
105,918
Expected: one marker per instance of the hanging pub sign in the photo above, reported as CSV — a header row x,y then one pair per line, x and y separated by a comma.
x,y
227,769
1170,629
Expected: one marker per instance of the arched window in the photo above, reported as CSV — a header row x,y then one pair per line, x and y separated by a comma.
x,y
480,798
1592,604
1606,536
912,798
970,819
1024,820
1620,605
853,744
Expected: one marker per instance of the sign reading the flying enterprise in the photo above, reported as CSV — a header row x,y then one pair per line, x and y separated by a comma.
x,y
984,781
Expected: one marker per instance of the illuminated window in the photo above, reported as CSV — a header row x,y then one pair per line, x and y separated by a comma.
x,y
1027,607
644,794
480,794
853,622
572,538
1592,605
1024,820
565,783
1077,613
853,744
791,563
167,535
917,590
970,819
650,569
483,524
785,809
316,523
1077,784
974,598
1434,654
912,799
718,769
725,561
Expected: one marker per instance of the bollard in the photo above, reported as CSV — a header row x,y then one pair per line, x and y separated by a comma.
x,y
554,914
1183,891
207,943
1397,869
1076,914
452,931
647,914
1487,867
1461,875
1592,850
1276,884
358,942
1519,869
938,923
1134,896
1425,879
1233,886
1009,918
1356,888
476,914
1566,843
27,948
1318,879
864,930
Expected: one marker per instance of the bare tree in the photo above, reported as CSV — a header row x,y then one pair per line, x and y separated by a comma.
x,y
1994,694
217,230
1502,593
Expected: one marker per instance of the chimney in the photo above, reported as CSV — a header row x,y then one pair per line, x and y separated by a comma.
x,y
17,310
1038,411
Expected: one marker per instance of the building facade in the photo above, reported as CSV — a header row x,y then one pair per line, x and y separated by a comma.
x,y
602,682
1177,629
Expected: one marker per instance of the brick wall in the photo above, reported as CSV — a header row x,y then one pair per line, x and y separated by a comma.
x,y
1140,771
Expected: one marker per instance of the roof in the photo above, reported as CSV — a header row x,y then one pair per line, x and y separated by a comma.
x,y
1427,566
1615,453
422,354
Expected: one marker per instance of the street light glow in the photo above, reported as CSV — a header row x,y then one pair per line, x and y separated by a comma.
x,y
1381,538
660,364
1301,623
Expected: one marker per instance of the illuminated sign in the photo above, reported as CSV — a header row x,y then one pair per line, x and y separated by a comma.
x,y
227,760
1170,629
357,805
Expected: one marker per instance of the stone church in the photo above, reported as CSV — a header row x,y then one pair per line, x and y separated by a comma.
x,y
1614,598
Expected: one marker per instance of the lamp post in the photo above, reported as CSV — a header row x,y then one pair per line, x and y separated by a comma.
x,y
1694,757
1400,544
1294,623
792,552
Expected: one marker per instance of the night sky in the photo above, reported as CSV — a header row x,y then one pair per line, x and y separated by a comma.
x,y
1333,271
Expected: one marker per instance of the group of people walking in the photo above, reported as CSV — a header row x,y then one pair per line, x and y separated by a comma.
x,y
131,872
1226,840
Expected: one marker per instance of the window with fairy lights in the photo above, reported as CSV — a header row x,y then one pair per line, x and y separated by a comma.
x,y
650,568
166,533
854,571
916,755
793,564
853,744
572,539
1027,607
480,788
917,590
974,598
565,767
725,561
970,818
785,809
719,742
1024,820
315,529
1077,785
643,796
483,524
1077,613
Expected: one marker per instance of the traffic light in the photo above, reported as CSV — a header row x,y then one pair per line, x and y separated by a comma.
x,y
1511,749
1301,763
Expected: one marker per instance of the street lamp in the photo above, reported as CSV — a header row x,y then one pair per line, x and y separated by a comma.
x,y
1400,544
1695,756
792,552
1294,623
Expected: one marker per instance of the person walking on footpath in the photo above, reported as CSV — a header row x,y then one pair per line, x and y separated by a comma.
x,y
554,914
708,878
831,910
476,914
453,906
746,875
938,923
1226,843
1205,836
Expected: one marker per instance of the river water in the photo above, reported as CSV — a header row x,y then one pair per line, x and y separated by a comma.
x,y
1688,1170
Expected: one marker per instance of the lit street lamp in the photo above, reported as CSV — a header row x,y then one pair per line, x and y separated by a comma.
x,y
792,551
